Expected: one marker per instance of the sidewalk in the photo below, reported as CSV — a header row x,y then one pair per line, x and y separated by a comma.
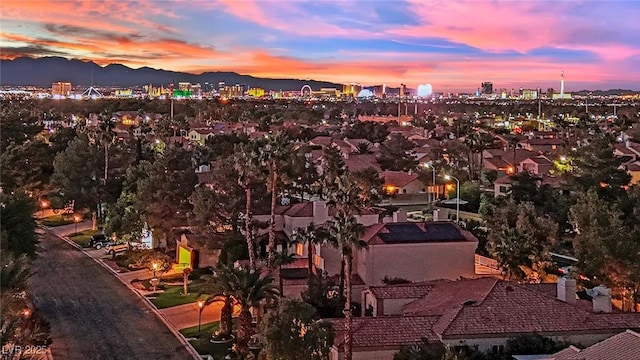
x,y
184,316
66,230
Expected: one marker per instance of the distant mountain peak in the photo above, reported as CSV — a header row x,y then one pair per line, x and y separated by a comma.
x,y
44,71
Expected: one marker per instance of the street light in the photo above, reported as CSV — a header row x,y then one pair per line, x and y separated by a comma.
x,y
449,177
200,308
433,181
155,267
76,220
43,205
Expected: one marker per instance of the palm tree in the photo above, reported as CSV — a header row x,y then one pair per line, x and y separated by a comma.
x,y
247,165
106,135
281,258
274,153
346,231
14,273
220,289
250,289
363,148
310,235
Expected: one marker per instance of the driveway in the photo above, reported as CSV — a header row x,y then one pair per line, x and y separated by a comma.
x,y
92,314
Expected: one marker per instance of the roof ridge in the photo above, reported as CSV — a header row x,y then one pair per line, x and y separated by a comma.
x,y
484,297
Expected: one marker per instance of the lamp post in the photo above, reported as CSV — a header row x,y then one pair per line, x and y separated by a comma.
x,y
449,177
155,267
76,220
43,205
200,308
433,181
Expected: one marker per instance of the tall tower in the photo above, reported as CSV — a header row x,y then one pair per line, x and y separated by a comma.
x,y
562,84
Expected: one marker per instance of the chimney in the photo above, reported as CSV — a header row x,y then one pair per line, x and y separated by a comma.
x,y
320,212
399,216
601,299
567,290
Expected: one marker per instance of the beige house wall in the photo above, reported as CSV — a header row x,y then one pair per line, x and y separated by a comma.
x,y
418,262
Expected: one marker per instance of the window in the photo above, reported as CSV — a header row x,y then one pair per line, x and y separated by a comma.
x,y
299,249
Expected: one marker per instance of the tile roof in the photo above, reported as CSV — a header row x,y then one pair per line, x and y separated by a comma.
x,y
398,178
357,162
543,141
624,346
449,295
304,209
377,332
498,163
412,232
401,291
509,309
540,160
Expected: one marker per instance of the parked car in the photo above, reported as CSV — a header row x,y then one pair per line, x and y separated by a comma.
x,y
116,248
138,246
98,241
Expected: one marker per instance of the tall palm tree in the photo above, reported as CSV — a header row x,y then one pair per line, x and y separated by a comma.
x,y
346,231
220,289
106,136
247,164
251,287
274,154
310,235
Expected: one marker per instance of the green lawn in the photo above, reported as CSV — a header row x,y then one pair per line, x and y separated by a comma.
x,y
172,296
202,344
57,220
82,238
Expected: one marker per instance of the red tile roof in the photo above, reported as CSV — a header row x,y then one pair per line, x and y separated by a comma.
x,y
398,178
357,162
624,346
540,160
500,308
372,333
402,291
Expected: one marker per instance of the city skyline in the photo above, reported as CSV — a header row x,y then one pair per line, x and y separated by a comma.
x,y
452,45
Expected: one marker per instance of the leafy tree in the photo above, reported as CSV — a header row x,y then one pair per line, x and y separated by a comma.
x,y
370,130
532,345
156,261
322,295
18,125
519,237
600,248
18,225
396,154
292,332
163,195
77,173
491,176
471,193
369,183
27,167
595,167
332,168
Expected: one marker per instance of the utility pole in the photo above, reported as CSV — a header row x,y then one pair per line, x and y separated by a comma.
x,y
615,106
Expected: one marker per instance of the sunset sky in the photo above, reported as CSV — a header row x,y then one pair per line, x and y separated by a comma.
x,y
452,44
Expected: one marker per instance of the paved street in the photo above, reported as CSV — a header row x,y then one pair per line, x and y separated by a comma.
x,y
92,314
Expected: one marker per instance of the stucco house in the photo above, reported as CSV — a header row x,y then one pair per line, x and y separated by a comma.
x,y
402,182
482,312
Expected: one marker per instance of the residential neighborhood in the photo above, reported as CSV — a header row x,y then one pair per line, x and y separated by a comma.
x,y
222,221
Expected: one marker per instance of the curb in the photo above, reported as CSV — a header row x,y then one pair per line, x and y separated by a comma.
x,y
190,349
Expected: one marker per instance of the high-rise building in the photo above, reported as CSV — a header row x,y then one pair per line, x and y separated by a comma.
x,y
351,90
61,88
380,91
403,90
487,88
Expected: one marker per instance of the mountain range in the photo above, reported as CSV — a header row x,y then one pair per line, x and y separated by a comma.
x,y
42,72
